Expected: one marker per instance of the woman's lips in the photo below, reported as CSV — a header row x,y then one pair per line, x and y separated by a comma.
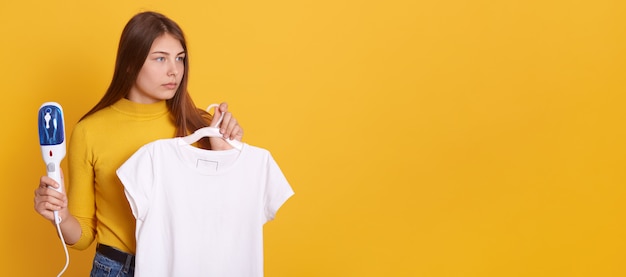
x,y
170,85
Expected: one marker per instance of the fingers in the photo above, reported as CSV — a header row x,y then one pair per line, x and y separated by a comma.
x,y
46,181
232,130
229,126
47,199
223,107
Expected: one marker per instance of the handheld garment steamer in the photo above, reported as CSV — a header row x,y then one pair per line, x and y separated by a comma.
x,y
52,142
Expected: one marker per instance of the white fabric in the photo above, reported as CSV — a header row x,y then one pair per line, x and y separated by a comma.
x,y
201,212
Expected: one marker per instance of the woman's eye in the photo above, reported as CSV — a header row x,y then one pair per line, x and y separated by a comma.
x,y
180,59
160,59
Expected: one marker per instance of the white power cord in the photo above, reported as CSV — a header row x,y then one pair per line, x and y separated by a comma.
x,y
67,254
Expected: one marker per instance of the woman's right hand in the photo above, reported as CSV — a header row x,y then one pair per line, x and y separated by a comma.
x,y
48,199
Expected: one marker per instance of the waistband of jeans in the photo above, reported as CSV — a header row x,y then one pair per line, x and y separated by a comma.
x,y
126,259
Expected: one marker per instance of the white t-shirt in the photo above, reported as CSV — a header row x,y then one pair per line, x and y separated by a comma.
x,y
201,212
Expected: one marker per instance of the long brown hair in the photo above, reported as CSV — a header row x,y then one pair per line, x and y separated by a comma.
x,y
134,46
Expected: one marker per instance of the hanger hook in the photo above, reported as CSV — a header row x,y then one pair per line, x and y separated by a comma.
x,y
216,106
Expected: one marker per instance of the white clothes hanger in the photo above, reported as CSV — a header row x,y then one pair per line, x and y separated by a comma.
x,y
211,132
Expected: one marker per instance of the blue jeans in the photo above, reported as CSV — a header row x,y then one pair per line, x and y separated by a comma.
x,y
105,267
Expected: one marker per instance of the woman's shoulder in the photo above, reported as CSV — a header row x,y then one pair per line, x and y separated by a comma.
x,y
88,124
95,118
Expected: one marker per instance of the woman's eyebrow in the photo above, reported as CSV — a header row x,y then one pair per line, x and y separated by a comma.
x,y
166,53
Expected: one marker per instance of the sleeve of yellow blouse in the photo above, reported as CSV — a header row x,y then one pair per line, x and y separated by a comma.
x,y
81,190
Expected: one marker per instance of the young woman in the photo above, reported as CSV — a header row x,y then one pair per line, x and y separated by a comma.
x,y
146,100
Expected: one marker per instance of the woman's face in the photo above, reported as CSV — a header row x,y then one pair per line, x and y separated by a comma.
x,y
161,73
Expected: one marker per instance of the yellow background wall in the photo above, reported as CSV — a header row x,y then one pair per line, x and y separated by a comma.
x,y
422,138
